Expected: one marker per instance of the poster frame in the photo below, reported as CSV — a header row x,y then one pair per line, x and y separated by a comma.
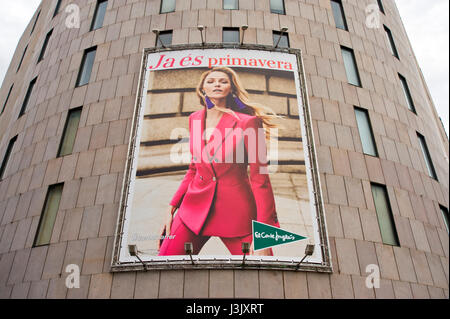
x,y
203,262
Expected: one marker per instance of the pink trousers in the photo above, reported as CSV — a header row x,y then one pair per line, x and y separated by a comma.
x,y
181,235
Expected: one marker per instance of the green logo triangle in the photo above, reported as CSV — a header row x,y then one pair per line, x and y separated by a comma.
x,y
266,236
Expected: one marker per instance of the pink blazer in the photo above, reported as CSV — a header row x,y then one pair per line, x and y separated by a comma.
x,y
217,197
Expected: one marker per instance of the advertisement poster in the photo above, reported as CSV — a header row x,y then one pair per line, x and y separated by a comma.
x,y
219,156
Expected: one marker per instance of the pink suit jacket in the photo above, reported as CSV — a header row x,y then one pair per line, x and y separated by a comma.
x,y
216,196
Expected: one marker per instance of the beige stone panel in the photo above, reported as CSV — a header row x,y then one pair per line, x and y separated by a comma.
x,y
295,285
402,290
405,264
147,284
360,289
100,286
347,257
404,232
94,256
341,286
20,290
420,291
271,285
171,284
369,222
57,289
123,285
54,262
386,260
38,289
246,284
221,284
386,290
319,286
18,268
196,284
351,223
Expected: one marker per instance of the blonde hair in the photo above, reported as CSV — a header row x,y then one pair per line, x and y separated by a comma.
x,y
266,114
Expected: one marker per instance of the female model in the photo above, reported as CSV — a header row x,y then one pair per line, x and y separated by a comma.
x,y
217,197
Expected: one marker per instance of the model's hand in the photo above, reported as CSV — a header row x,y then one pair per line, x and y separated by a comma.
x,y
165,231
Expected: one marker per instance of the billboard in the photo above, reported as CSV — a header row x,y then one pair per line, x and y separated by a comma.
x,y
221,164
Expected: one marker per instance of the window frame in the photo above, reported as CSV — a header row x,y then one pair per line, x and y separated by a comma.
x,y
283,34
66,125
355,64
369,124
7,99
22,58
159,39
57,7
94,19
391,41
45,45
427,156
161,7
445,216
390,215
407,93
82,66
35,22
342,12
228,29
44,211
7,156
27,96
275,12
236,8
381,6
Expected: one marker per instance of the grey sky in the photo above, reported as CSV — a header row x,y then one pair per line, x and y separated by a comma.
x,y
426,22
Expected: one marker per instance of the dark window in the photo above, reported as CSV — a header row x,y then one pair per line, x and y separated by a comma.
x,y
7,98
365,132
58,5
167,6
99,15
351,68
384,215
70,132
391,42
7,156
339,15
427,156
277,6
380,5
44,46
230,35
231,4
21,59
165,37
444,212
280,38
48,216
86,66
407,92
35,22
27,97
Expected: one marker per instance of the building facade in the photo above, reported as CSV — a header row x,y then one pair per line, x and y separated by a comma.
x,y
67,106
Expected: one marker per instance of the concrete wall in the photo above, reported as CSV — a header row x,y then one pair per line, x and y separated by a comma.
x,y
85,224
